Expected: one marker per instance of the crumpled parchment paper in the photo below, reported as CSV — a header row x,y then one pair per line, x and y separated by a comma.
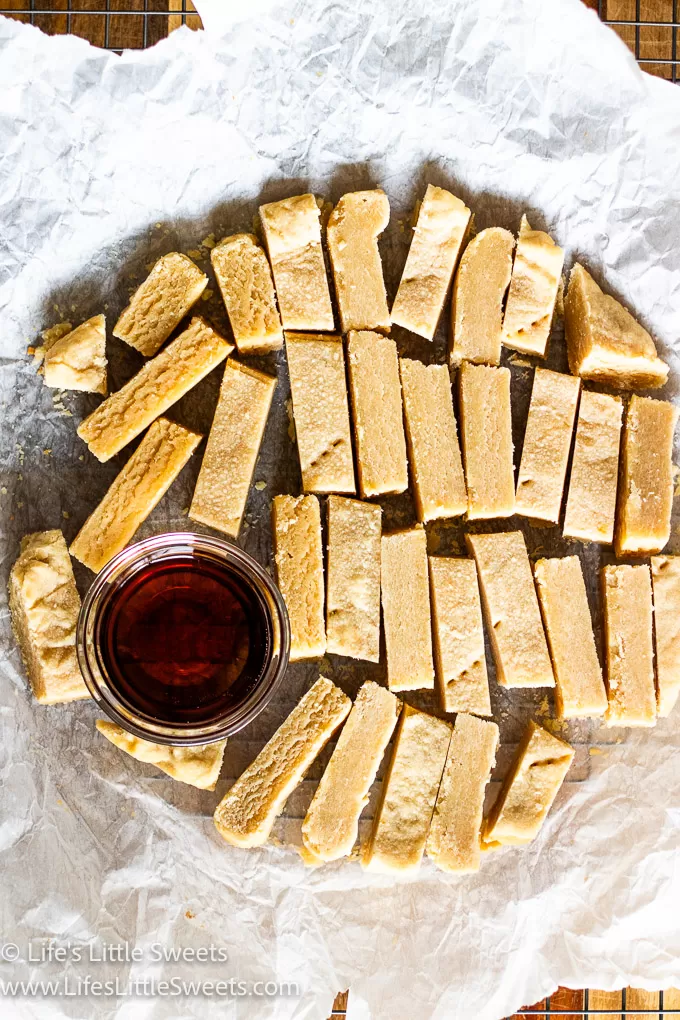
x,y
106,162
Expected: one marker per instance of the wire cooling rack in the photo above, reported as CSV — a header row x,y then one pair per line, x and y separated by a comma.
x,y
650,28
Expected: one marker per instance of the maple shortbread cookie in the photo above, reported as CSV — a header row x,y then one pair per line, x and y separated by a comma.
x,y
627,596
479,287
579,687
198,766
535,281
157,386
245,281
486,429
233,444
437,240
458,634
643,519
513,616
432,433
403,816
455,831
406,610
352,235
298,552
77,361
292,231
604,342
331,824
139,487
666,587
593,482
246,814
547,444
529,789
353,578
316,365
172,287
44,606
377,413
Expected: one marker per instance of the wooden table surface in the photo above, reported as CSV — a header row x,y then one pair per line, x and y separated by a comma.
x,y
120,24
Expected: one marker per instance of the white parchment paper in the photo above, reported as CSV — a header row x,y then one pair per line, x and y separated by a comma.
x,y
107,162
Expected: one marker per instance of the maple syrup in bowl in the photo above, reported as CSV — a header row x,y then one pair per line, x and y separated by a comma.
x,y
183,639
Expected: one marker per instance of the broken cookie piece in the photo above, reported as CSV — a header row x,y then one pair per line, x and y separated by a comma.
x,y
604,342
198,765
44,605
245,816
331,824
536,275
245,281
352,234
77,361
529,789
172,287
437,240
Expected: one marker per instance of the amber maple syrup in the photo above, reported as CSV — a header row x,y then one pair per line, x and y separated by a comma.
x,y
184,641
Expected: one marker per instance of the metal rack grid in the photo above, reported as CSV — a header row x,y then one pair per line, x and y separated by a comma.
x,y
110,24
649,28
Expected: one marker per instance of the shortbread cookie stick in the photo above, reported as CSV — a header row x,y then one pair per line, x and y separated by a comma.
x,y
245,281
331,825
247,813
643,522
199,765
666,585
160,303
479,288
353,571
454,839
406,610
402,819
139,487
353,230
591,502
316,365
377,414
233,445
292,232
629,647
155,388
437,240
44,605
296,523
